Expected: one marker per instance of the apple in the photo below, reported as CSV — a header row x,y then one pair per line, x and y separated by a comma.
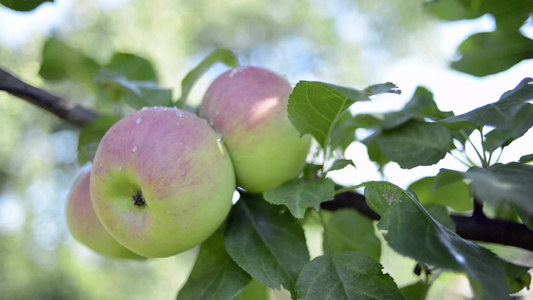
x,y
84,224
248,106
161,182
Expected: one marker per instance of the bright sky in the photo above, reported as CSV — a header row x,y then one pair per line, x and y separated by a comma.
x,y
40,21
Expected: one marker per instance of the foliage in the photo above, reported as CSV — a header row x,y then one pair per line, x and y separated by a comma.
x,y
212,267
26,5
263,244
266,242
487,53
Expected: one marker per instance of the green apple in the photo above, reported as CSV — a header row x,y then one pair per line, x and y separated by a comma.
x,y
248,107
161,182
85,226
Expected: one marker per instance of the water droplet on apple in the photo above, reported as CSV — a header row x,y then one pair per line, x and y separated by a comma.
x,y
139,120
120,168
220,137
234,71
179,114
134,149
158,108
99,165
145,108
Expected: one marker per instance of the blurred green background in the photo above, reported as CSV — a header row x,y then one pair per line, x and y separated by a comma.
x,y
352,43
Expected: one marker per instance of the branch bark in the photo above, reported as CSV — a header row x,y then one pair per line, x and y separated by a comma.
x,y
62,108
474,228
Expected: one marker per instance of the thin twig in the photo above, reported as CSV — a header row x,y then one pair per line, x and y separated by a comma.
x,y
64,109
485,162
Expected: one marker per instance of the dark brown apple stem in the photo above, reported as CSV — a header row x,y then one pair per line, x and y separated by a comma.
x,y
138,199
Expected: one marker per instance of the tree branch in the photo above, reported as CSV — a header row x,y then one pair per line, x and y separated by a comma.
x,y
471,228
64,109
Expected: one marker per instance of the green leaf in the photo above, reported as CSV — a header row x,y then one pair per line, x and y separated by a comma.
x,y
91,135
447,177
340,164
510,16
254,291
517,276
374,152
415,144
512,182
440,214
411,231
147,94
523,121
132,67
214,275
137,94
452,10
314,107
343,131
526,158
382,88
311,171
420,106
61,62
348,230
487,53
499,114
266,242
527,218
505,211
220,55
348,275
506,13
25,5
366,121
461,135
454,194
298,194
416,291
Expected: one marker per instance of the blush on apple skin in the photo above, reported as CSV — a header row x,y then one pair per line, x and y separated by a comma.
x,y
248,107
175,161
85,226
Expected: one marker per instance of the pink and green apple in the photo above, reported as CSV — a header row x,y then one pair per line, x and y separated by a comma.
x,y
161,181
85,226
248,106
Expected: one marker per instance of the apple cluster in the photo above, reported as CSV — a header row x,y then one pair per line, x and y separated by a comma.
x,y
162,180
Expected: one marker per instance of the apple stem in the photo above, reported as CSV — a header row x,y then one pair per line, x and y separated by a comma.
x,y
138,199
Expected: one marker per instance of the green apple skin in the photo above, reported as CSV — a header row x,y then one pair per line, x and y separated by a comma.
x,y
85,226
161,181
248,106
